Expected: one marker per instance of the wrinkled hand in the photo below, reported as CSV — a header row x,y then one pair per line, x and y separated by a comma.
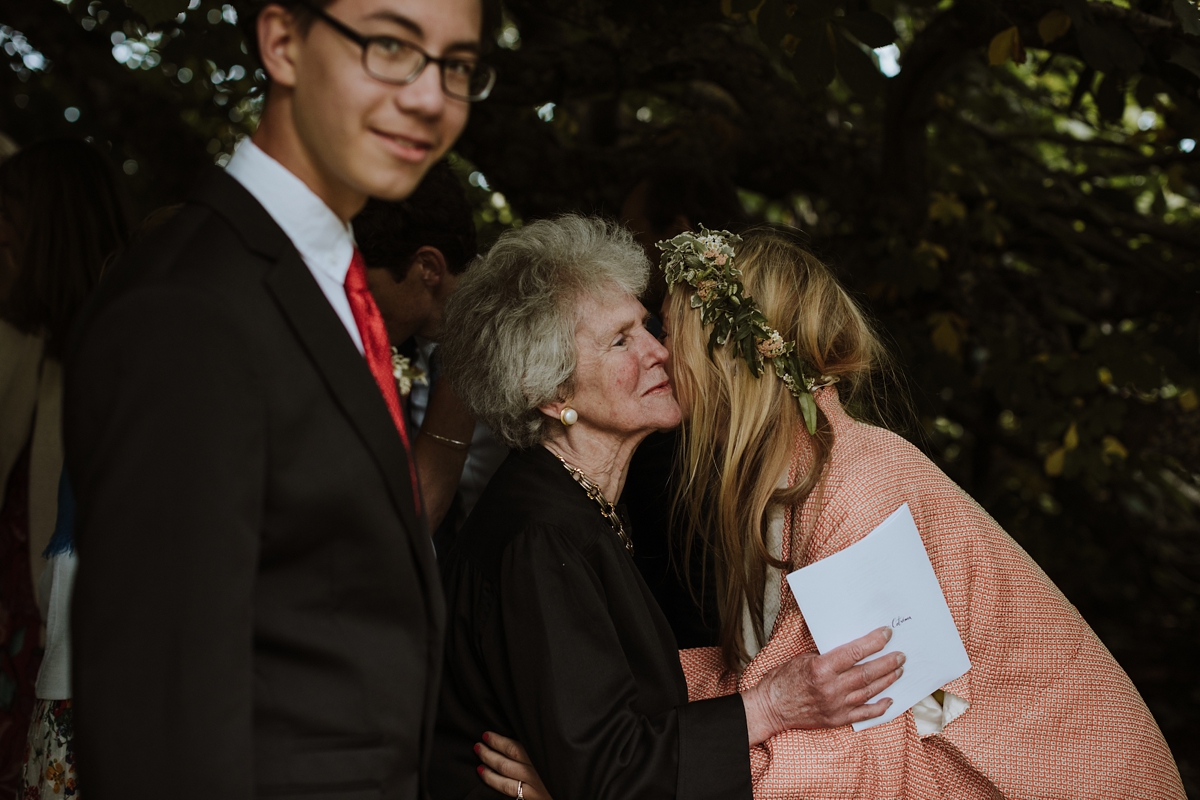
x,y
825,691
504,763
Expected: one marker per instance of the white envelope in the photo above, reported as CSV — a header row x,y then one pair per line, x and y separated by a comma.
x,y
885,579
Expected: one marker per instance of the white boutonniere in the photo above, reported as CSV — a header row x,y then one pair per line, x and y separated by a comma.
x,y
406,373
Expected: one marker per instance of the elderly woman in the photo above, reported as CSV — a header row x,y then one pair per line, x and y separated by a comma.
x,y
553,637
777,475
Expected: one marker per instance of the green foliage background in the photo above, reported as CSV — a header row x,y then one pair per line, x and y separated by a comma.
x,y
1017,207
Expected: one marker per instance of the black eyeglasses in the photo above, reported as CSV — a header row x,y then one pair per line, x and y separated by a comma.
x,y
398,62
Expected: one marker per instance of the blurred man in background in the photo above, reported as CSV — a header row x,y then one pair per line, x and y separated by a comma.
x,y
416,250
670,199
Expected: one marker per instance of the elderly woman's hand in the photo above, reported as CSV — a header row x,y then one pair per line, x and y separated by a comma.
x,y
826,691
507,769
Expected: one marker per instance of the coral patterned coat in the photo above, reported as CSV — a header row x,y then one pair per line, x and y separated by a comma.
x,y
1052,714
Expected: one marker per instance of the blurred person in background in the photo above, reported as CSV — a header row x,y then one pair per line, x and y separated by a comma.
x,y
416,250
670,199
61,217
666,201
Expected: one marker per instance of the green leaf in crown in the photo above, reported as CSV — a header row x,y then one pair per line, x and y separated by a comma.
x,y
706,261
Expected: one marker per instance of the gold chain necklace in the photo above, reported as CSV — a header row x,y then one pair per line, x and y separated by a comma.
x,y
606,508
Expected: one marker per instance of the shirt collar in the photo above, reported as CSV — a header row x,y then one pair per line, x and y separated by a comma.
x,y
324,242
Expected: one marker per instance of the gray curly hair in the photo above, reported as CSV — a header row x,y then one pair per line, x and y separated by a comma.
x,y
508,344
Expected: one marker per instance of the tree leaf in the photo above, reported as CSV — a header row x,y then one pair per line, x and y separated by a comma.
x,y
1054,25
772,24
739,6
1055,462
873,30
1147,87
858,70
1071,437
1186,57
1110,447
156,12
813,62
946,208
929,254
1110,97
1106,46
948,332
1119,199
1189,15
1079,12
1005,45
809,409
813,9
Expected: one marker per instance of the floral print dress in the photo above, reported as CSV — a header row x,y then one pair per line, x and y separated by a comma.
x,y
50,760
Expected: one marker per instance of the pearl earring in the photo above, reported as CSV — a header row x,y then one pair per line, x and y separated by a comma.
x,y
568,416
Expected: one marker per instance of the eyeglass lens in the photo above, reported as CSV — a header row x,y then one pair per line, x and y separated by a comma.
x,y
394,61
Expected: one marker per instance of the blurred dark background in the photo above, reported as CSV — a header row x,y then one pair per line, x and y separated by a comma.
x,y
1009,185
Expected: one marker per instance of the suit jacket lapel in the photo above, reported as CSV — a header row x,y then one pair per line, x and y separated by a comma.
x,y
345,371
323,336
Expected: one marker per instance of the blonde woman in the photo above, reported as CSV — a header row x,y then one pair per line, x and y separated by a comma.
x,y
777,474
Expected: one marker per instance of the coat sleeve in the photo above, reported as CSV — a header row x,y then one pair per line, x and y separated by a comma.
x,y
575,692
165,434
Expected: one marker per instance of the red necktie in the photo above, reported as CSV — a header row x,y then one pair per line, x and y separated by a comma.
x,y
378,351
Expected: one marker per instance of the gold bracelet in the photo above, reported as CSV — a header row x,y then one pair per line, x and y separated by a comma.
x,y
454,443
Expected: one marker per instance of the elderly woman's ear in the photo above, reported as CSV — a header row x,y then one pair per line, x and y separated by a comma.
x,y
561,411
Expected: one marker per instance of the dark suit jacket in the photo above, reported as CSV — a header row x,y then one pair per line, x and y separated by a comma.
x,y
257,611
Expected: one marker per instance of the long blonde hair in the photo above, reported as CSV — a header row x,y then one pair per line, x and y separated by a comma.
x,y
739,431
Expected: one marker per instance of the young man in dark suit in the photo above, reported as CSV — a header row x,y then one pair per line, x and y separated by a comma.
x,y
257,610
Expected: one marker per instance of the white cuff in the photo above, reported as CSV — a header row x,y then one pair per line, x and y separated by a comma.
x,y
931,716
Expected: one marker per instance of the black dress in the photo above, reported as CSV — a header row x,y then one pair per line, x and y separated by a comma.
x,y
555,640
647,498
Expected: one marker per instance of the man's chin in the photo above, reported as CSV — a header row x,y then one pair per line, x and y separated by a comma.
x,y
395,183
393,191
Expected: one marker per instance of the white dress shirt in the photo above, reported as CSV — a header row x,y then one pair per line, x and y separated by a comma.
x,y
55,588
326,244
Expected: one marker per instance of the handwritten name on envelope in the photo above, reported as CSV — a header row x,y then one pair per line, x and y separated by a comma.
x,y
885,579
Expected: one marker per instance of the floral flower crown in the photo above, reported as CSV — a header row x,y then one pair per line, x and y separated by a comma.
x,y
705,261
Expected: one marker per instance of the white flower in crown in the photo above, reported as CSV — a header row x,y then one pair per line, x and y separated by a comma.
x,y
406,373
